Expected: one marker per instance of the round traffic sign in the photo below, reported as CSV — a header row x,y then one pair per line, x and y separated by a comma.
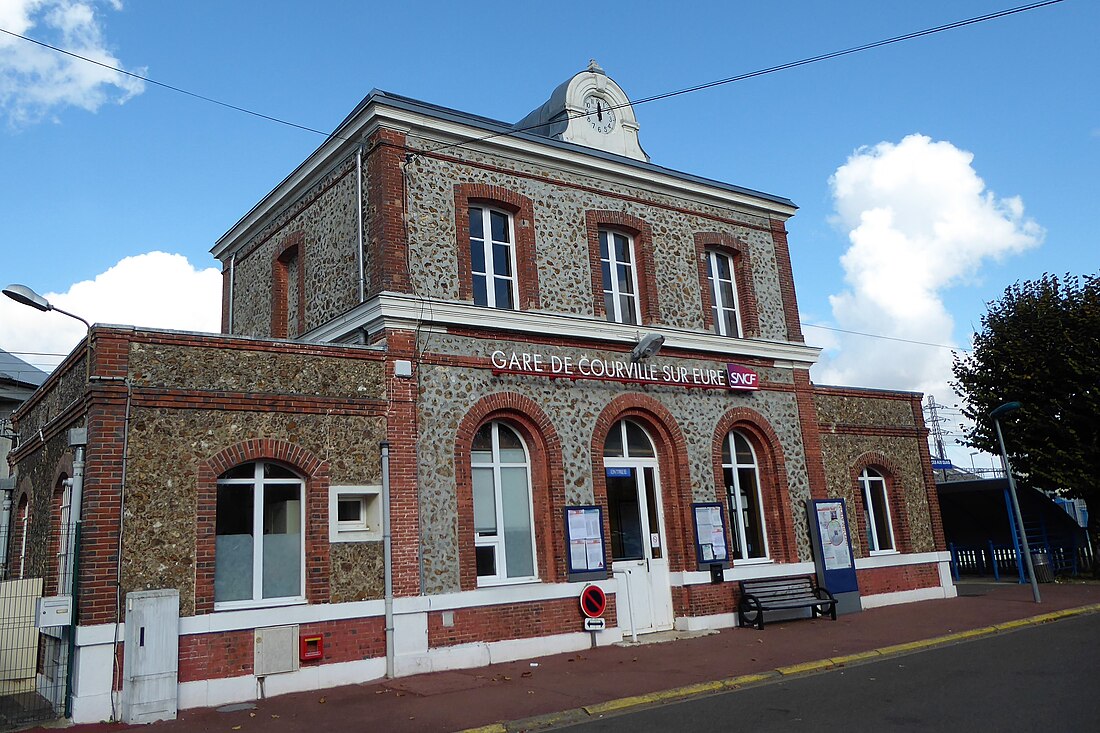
x,y
593,601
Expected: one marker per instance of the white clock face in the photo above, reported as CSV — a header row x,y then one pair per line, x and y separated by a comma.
x,y
599,114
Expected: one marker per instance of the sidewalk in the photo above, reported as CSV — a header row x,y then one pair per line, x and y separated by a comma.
x,y
559,688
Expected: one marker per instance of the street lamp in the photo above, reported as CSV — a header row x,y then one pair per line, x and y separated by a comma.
x,y
24,295
996,415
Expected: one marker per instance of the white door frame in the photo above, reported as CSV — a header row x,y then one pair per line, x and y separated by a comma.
x,y
648,587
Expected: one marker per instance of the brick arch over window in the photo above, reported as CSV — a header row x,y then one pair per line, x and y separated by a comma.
x,y
58,526
782,542
899,515
673,462
289,262
738,251
316,474
523,215
547,482
644,263
18,524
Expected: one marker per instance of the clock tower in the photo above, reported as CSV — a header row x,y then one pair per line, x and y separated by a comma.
x,y
589,109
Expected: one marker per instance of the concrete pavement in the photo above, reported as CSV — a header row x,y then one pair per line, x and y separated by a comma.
x,y
553,690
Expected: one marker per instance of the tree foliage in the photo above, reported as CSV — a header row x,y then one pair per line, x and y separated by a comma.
x,y
1040,345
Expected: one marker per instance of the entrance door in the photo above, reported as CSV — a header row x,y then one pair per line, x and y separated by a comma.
x,y
639,557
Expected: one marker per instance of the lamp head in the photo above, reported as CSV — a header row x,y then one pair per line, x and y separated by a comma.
x,y
26,296
647,346
1005,409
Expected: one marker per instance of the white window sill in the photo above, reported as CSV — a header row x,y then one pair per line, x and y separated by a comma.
x,y
753,561
266,603
878,553
497,582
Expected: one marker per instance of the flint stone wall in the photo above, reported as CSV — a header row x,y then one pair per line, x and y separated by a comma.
x,y
326,216
448,393
561,243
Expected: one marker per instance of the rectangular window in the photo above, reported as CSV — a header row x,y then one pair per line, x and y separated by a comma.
x,y
492,258
355,513
617,272
723,294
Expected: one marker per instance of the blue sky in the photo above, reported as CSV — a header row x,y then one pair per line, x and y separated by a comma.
x,y
99,168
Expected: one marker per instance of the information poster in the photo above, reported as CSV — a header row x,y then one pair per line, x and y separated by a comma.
x,y
836,567
834,537
710,533
585,542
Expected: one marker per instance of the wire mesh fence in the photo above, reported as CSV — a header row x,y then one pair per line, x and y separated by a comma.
x,y
34,652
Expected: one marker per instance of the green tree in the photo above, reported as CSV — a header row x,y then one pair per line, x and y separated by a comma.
x,y
1040,345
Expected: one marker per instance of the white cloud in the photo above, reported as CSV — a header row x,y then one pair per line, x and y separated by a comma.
x,y
35,81
919,221
156,290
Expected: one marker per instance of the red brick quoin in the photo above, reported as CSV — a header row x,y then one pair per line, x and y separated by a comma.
x,y
316,474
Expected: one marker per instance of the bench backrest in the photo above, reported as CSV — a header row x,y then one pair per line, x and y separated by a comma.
x,y
779,588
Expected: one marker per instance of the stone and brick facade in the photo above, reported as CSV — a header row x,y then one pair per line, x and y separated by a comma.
x,y
349,320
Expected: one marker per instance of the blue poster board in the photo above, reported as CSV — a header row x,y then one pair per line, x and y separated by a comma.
x,y
836,565
585,551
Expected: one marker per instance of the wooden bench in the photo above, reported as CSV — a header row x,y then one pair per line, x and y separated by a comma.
x,y
781,594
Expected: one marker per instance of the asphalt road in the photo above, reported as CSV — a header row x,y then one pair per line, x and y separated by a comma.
x,y
1041,678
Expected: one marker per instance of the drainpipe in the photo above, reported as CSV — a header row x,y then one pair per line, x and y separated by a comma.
x,y
78,439
387,556
359,219
232,282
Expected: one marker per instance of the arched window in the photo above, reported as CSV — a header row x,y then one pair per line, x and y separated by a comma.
x,y
259,552
876,511
741,473
725,310
493,257
504,535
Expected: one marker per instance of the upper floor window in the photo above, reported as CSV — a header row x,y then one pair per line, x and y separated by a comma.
x,y
742,476
504,535
259,551
723,293
620,281
876,511
492,257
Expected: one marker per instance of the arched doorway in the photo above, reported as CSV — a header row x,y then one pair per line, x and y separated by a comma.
x,y
639,553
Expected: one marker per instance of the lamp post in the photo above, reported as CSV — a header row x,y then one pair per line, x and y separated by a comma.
x,y
24,295
996,415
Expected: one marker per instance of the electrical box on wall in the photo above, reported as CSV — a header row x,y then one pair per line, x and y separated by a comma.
x,y
311,647
275,647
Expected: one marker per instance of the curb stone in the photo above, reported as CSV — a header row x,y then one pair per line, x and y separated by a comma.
x,y
620,705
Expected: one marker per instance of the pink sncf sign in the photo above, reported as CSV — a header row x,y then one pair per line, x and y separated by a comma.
x,y
740,377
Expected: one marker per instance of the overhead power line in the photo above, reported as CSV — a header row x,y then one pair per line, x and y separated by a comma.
x,y
885,338
645,100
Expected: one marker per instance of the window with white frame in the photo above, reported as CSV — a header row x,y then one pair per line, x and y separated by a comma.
x,y
723,294
504,536
742,476
355,513
876,511
493,257
259,553
619,276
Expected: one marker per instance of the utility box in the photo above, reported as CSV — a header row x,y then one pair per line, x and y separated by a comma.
x,y
276,650
151,656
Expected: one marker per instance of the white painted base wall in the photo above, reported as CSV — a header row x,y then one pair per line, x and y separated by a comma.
x,y
93,671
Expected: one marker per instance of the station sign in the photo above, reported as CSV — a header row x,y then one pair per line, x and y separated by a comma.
x,y
732,377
